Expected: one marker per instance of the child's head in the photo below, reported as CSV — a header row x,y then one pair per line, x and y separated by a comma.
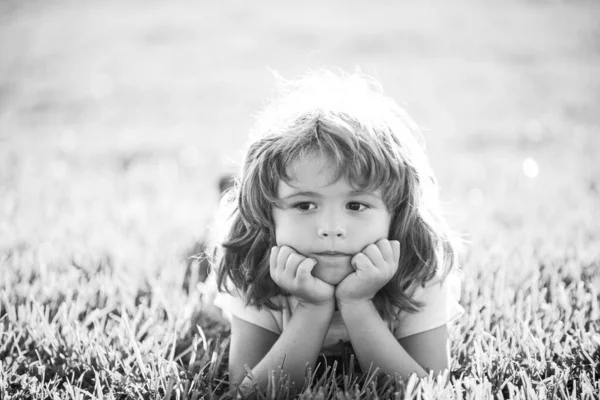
x,y
336,143
324,212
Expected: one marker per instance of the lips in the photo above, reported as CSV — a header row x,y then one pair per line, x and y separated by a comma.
x,y
333,254
332,266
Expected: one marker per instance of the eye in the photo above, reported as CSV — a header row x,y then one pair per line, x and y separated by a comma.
x,y
356,206
305,206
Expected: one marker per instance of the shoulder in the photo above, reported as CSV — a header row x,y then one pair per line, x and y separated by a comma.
x,y
440,305
448,285
440,285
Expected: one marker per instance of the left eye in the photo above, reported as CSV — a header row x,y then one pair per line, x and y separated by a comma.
x,y
305,206
356,206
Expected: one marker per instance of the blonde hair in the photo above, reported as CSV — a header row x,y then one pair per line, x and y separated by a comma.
x,y
373,144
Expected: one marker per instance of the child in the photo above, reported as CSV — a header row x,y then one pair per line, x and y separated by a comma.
x,y
335,236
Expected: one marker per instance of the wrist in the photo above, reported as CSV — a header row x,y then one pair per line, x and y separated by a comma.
x,y
318,308
355,307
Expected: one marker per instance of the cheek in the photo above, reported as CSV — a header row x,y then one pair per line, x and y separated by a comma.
x,y
379,222
283,233
291,232
281,236
385,226
379,228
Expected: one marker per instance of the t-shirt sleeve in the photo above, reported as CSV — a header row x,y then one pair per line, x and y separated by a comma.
x,y
440,306
234,305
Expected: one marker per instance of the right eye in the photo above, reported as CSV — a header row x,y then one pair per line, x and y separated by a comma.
x,y
305,206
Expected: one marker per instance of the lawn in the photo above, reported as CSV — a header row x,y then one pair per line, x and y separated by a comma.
x,y
117,120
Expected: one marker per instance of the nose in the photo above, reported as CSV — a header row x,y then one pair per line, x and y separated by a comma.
x,y
332,232
331,224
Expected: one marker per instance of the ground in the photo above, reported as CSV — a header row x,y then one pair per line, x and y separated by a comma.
x,y
117,120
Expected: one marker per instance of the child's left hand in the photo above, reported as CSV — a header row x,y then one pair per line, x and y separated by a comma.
x,y
373,268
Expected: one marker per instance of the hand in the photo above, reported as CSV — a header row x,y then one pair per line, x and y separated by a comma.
x,y
292,272
373,268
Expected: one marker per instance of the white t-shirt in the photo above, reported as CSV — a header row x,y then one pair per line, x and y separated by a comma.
x,y
440,306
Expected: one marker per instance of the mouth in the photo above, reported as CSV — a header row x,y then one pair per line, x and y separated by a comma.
x,y
332,254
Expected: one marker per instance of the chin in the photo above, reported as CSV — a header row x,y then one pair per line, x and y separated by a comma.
x,y
332,271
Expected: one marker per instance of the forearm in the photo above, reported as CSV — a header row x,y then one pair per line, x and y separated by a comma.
x,y
373,342
299,344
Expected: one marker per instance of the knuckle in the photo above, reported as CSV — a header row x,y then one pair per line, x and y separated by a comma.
x,y
295,257
291,264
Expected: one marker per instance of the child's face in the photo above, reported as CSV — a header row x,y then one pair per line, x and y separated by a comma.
x,y
318,217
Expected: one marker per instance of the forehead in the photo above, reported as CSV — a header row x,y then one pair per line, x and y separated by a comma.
x,y
317,173
313,169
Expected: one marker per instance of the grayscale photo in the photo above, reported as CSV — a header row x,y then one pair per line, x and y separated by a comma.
x,y
300,200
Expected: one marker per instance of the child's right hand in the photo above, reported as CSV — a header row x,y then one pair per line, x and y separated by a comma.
x,y
292,272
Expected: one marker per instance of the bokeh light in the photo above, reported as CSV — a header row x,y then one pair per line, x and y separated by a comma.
x,y
531,168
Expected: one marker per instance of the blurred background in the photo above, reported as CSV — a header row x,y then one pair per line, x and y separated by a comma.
x,y
117,118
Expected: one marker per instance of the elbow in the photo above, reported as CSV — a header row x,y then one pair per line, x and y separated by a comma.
x,y
435,372
245,387
241,383
436,369
236,375
245,383
241,379
423,371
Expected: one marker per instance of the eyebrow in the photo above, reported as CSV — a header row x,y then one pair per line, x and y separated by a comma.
x,y
359,192
305,193
308,193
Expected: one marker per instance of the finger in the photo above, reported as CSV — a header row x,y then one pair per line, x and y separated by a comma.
x,y
273,257
395,250
305,268
273,262
283,255
385,248
363,267
292,264
360,262
374,254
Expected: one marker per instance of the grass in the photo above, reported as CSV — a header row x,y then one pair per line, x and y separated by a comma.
x,y
114,131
